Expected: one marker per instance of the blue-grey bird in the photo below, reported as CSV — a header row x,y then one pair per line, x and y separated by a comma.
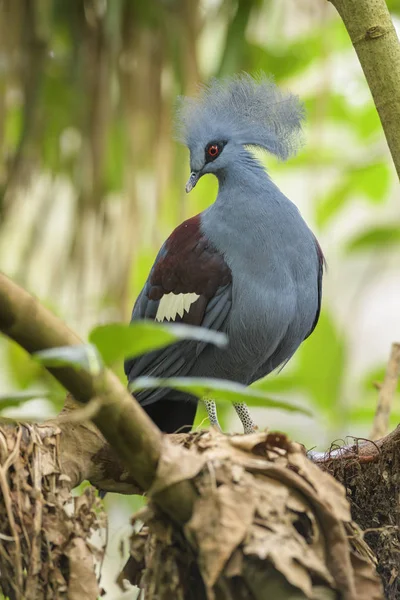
x,y
247,266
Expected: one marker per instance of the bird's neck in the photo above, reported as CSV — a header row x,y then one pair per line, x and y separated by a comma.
x,y
246,191
247,172
247,201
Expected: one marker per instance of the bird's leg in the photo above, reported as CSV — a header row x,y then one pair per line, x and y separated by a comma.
x,y
244,415
211,409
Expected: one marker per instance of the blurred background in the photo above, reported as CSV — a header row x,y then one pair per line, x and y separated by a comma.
x,y
92,182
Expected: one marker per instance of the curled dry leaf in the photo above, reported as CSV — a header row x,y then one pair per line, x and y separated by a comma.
x,y
262,508
175,465
218,525
82,579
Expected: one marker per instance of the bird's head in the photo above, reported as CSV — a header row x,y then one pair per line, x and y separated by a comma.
x,y
230,114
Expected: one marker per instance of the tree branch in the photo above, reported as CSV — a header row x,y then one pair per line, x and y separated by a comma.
x,y
124,424
375,40
387,392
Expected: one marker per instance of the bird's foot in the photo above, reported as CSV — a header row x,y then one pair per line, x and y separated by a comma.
x,y
244,415
211,409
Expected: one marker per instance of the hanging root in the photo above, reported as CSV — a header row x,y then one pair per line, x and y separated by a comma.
x,y
44,534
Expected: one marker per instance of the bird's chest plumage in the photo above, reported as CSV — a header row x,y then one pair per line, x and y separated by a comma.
x,y
274,288
262,310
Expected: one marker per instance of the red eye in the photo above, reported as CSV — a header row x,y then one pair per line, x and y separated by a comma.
x,y
213,150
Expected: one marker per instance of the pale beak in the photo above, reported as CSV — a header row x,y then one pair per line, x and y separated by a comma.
x,y
193,179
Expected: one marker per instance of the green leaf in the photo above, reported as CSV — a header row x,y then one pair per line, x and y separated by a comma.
x,y
17,398
376,238
335,199
117,341
285,58
322,363
277,382
366,121
217,389
371,180
82,356
23,369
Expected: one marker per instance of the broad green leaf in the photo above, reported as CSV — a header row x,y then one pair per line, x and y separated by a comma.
x,y
117,341
24,370
375,238
277,382
366,121
285,58
17,398
371,180
82,356
337,107
217,389
335,199
322,363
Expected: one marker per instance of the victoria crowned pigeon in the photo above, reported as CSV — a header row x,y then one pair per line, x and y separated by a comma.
x,y
247,266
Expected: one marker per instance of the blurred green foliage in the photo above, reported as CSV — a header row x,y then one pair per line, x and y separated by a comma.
x,y
117,341
87,90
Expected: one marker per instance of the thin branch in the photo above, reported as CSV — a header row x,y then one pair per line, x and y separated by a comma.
x,y
375,40
387,392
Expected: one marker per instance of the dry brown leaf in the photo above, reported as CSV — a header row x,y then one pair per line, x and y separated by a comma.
x,y
367,584
57,531
328,489
218,525
278,542
176,464
261,502
82,579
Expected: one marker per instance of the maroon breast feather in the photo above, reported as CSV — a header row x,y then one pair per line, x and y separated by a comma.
x,y
189,263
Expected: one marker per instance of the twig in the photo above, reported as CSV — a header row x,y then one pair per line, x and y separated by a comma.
x,y
35,556
14,453
10,515
387,392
